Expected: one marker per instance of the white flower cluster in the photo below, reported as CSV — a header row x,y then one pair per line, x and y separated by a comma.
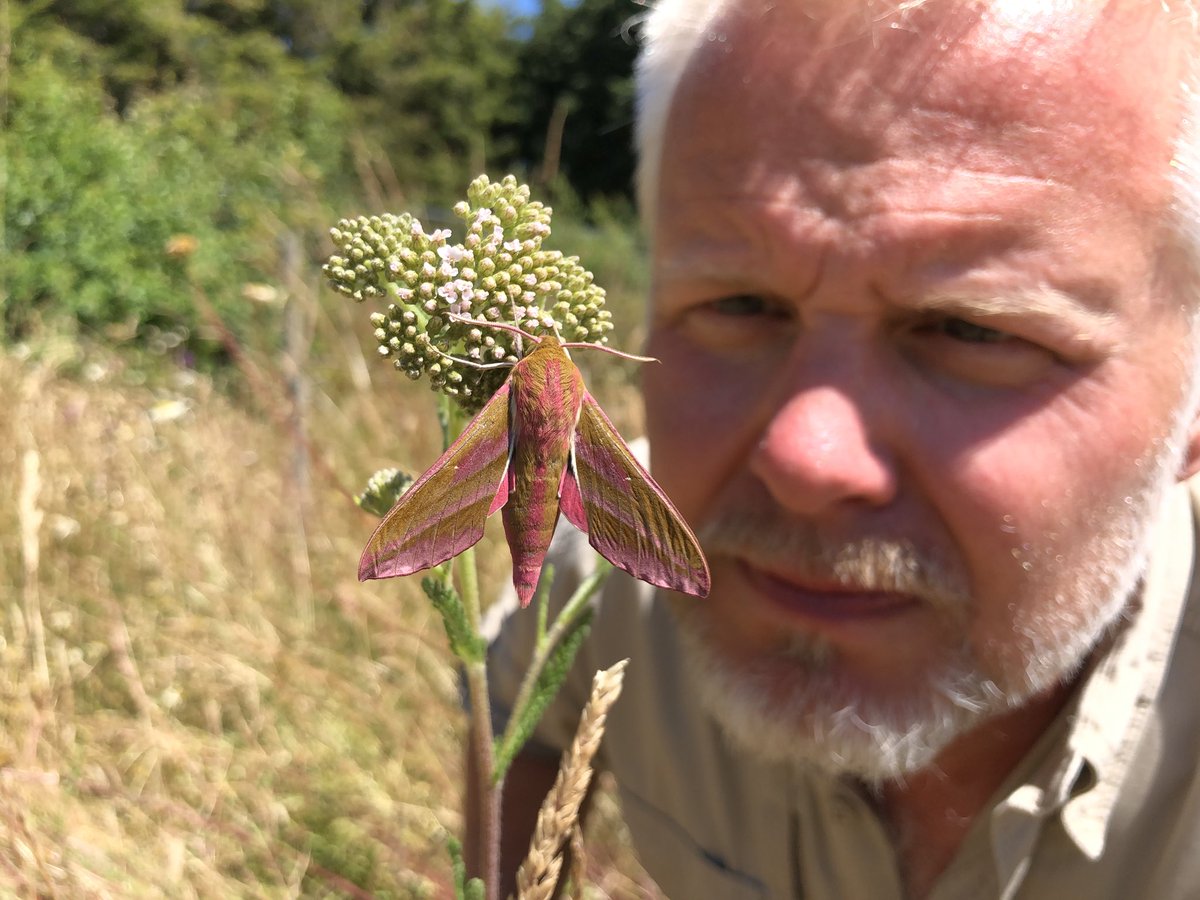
x,y
498,274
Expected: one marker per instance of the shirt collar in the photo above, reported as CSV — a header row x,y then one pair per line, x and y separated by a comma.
x,y
1118,696
1079,765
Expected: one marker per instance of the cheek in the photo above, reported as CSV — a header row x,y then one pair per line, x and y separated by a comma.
x,y
699,415
1042,513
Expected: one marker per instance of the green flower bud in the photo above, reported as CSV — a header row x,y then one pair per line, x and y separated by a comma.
x,y
499,273
383,489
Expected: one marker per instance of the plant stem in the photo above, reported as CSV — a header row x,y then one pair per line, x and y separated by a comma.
x,y
482,795
549,640
486,796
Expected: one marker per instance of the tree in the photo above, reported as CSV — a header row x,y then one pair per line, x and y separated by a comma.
x,y
573,105
228,121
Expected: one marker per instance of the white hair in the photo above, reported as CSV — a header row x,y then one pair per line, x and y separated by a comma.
x,y
674,30
1184,215
671,33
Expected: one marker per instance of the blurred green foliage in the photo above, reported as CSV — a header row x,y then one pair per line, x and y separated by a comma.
x,y
575,98
158,155
159,159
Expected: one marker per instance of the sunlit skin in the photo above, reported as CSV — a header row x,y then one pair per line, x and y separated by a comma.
x,y
914,291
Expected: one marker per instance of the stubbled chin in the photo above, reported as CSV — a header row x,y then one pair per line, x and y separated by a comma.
x,y
781,660
799,705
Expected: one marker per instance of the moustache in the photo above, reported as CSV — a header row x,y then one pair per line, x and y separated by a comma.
x,y
798,550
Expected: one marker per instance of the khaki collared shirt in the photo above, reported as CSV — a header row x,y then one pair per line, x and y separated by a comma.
x,y
1105,805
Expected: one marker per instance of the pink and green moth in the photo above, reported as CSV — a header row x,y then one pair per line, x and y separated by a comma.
x,y
541,444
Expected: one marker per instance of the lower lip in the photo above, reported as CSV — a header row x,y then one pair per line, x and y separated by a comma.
x,y
835,605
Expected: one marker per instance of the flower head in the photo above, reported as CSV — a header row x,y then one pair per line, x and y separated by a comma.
x,y
498,274
383,489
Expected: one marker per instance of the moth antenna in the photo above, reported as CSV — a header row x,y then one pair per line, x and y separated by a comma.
x,y
521,335
521,332
470,362
583,345
503,326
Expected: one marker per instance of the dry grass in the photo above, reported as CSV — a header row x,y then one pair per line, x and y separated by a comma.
x,y
197,699
558,818
195,689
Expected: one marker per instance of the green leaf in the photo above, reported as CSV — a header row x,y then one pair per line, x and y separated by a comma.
x,y
475,889
458,866
464,642
549,681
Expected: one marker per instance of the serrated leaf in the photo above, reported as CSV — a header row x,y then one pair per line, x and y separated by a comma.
x,y
464,642
549,680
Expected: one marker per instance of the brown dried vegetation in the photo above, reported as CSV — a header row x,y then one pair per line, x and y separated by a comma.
x,y
197,698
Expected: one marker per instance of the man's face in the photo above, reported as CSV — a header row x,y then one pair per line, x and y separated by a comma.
x,y
923,384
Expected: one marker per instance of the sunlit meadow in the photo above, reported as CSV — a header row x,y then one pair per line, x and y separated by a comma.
x,y
199,699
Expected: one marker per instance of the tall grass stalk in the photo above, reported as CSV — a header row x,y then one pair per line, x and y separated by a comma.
x,y
558,817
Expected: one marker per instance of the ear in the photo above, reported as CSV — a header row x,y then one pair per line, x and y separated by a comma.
x,y
1191,456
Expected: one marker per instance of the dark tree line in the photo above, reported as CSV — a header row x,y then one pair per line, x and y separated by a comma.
x,y
130,122
420,79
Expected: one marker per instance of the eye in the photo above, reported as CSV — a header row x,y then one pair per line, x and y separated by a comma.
x,y
972,352
737,322
967,332
742,305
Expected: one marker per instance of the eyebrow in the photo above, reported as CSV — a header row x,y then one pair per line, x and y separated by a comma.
x,y
1086,311
1087,319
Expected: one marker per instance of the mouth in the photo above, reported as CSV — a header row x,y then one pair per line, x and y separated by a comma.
x,y
815,600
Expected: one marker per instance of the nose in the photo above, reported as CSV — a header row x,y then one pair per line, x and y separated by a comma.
x,y
817,453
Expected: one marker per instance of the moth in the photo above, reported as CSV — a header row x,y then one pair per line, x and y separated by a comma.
x,y
539,446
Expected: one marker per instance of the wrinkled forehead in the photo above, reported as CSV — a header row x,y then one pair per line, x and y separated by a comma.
x,y
1087,80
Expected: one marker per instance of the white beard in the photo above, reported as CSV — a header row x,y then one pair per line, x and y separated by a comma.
x,y
823,718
